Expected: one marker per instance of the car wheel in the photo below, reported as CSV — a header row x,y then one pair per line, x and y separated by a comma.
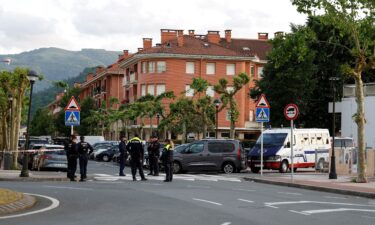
x,y
176,167
228,168
255,169
106,158
284,166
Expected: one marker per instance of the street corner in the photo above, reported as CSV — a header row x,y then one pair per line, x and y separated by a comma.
x,y
13,202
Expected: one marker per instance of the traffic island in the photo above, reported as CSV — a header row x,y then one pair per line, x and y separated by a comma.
x,y
12,201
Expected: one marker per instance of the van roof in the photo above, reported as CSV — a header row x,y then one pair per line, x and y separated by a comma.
x,y
297,130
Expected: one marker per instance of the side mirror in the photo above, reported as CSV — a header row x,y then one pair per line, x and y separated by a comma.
x,y
288,144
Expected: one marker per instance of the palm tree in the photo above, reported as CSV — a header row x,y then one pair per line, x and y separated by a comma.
x,y
227,97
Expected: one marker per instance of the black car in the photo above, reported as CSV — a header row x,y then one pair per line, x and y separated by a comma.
x,y
107,154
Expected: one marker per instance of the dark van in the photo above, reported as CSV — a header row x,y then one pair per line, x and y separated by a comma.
x,y
211,155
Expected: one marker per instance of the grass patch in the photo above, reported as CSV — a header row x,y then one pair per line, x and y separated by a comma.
x,y
8,196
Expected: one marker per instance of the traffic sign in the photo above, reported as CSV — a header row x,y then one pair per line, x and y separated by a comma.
x,y
291,112
262,102
73,105
262,114
72,118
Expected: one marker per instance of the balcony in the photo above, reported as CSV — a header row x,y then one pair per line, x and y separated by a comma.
x,y
132,78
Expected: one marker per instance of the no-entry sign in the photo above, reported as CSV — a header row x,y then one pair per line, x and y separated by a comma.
x,y
291,112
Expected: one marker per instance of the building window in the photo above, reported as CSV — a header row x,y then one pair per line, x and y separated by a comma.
x,y
210,91
144,67
260,72
160,89
231,69
251,115
210,68
190,67
151,67
143,90
150,89
161,66
225,135
188,91
252,70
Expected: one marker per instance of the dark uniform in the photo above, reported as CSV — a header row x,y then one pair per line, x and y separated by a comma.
x,y
71,149
123,157
135,148
153,157
84,149
167,158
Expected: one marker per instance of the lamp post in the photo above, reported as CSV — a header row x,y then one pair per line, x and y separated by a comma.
x,y
32,76
332,172
217,103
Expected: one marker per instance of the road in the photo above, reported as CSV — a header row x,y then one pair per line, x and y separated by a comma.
x,y
210,199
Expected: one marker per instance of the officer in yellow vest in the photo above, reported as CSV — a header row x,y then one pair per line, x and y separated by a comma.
x,y
167,157
136,151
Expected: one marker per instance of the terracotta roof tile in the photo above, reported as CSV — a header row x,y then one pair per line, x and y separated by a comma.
x,y
256,47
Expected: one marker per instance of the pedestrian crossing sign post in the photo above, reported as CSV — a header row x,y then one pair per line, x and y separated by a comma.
x,y
262,114
72,118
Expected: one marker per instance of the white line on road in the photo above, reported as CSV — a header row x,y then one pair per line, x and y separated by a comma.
x,y
369,217
271,206
336,210
241,189
245,200
289,193
55,203
333,197
306,214
316,202
70,188
211,202
226,223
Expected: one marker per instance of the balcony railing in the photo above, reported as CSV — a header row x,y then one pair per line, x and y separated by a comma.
x,y
132,78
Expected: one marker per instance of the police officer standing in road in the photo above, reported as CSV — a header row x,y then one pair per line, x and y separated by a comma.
x,y
123,155
135,148
71,149
167,157
153,156
84,149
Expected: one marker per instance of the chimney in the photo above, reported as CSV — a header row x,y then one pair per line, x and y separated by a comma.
x,y
279,34
126,52
147,43
140,49
180,38
99,69
89,77
228,35
213,36
191,33
263,36
167,35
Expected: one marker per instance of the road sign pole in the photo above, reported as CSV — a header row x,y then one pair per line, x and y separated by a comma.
x,y
261,149
71,130
291,148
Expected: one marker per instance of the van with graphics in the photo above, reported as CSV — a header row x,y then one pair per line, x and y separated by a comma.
x,y
310,148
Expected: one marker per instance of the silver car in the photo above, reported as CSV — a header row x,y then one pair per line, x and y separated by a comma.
x,y
50,157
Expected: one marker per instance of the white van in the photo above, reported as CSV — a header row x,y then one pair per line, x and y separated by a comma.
x,y
311,149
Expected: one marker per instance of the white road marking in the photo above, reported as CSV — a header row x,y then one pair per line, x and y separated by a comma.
x,y
240,189
289,193
55,204
226,223
316,202
245,200
336,210
293,211
69,188
271,206
370,217
211,202
333,197
371,202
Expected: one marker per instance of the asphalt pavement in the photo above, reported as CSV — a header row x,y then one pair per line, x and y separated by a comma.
x,y
184,201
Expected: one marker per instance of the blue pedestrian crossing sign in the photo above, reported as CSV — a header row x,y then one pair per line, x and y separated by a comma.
x,y
72,118
262,114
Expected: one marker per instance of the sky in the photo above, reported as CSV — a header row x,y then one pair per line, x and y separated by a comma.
x,y
121,24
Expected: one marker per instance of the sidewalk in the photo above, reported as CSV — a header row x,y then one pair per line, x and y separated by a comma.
x,y
14,175
319,182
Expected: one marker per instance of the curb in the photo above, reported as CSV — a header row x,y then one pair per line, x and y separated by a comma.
x,y
314,188
25,202
34,179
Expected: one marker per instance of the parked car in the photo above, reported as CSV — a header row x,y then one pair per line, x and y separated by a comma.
x,y
107,154
225,155
53,158
102,146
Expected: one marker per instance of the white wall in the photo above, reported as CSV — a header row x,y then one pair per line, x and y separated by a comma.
x,y
349,127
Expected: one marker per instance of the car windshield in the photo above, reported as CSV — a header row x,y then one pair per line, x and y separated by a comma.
x,y
180,148
272,139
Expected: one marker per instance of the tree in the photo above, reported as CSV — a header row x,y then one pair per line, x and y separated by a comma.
x,y
87,105
355,18
42,123
227,96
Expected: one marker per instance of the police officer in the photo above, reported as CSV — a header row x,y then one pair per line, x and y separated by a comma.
x,y
123,155
84,149
135,148
71,150
153,156
167,158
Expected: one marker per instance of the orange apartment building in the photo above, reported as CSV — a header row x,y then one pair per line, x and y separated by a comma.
x,y
171,65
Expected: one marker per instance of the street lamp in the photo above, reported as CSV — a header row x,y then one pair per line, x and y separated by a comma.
x,y
332,172
217,103
32,76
